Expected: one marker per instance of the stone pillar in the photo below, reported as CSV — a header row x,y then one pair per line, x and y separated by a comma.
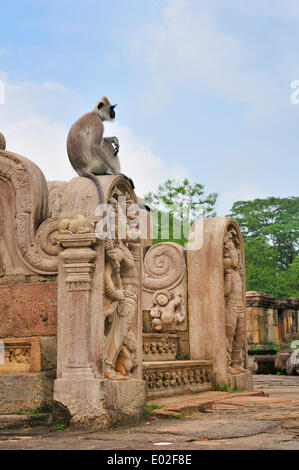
x,y
271,334
99,369
80,381
216,300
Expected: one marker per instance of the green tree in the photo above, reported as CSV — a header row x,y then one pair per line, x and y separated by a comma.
x,y
183,199
275,221
289,280
261,266
175,206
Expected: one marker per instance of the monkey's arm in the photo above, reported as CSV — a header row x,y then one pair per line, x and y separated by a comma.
x,y
100,153
114,141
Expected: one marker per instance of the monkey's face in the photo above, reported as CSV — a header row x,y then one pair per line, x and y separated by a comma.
x,y
106,111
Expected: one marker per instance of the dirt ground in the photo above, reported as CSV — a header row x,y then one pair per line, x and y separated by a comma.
x,y
231,423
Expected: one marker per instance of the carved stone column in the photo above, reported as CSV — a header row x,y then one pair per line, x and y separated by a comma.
x,y
99,369
74,297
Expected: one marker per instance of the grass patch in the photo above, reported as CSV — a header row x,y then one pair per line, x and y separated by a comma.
x,y
223,387
60,426
275,347
149,407
28,411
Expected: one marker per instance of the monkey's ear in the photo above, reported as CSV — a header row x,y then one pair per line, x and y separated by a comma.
x,y
100,105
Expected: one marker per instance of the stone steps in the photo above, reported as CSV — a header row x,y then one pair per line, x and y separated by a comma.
x,y
19,421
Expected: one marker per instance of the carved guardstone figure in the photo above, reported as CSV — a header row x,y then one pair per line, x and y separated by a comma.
x,y
234,305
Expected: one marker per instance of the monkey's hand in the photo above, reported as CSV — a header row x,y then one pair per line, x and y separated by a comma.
x,y
116,145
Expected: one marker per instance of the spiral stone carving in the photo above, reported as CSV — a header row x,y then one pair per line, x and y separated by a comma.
x,y
24,188
46,236
164,266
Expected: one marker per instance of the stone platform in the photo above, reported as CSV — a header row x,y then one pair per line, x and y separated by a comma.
x,y
187,405
234,422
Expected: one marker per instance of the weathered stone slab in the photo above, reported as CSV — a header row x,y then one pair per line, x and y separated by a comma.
x,y
28,309
29,390
48,352
24,421
242,381
124,400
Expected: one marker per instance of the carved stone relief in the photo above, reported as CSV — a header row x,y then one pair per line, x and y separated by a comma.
x,y
158,347
121,291
164,287
28,234
177,377
167,312
21,355
234,286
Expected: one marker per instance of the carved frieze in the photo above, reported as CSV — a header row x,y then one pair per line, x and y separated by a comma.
x,y
159,347
177,377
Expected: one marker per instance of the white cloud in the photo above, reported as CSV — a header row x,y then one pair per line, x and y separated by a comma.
x,y
187,48
34,119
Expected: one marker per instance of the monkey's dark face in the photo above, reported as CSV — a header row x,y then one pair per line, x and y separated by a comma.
x,y
112,112
106,112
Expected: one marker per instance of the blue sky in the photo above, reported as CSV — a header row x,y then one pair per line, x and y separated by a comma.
x,y
203,88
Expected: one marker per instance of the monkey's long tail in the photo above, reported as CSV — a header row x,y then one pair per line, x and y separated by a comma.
x,y
93,178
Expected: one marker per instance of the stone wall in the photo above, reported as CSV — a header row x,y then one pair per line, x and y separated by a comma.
x,y
28,328
132,321
271,320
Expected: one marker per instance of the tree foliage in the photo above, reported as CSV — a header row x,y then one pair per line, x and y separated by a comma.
x,y
183,200
275,221
175,206
270,229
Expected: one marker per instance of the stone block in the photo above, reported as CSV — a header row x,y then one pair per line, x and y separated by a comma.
x,y
28,309
241,381
126,396
48,352
29,390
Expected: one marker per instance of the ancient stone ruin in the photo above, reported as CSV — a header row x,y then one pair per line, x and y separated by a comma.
x,y
92,326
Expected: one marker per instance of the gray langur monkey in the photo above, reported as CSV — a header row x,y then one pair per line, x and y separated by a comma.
x,y
87,147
